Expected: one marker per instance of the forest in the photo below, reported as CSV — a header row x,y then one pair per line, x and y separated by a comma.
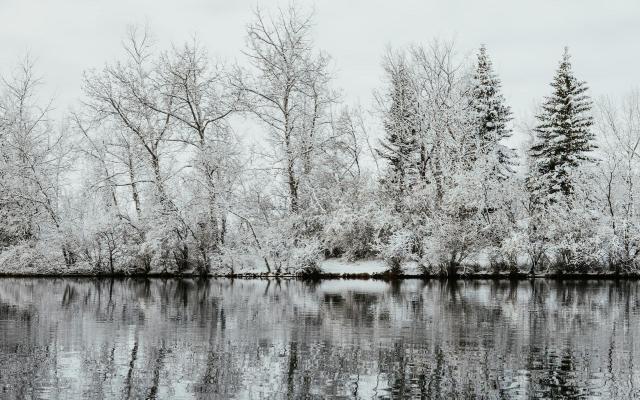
x,y
149,174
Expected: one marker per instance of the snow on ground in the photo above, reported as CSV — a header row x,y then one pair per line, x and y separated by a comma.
x,y
247,264
255,265
340,266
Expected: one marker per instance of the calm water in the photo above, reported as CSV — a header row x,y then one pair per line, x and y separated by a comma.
x,y
83,338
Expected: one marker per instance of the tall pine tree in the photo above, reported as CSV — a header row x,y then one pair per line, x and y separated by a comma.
x,y
400,146
492,117
563,136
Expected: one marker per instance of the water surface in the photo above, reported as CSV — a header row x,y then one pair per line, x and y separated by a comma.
x,y
364,339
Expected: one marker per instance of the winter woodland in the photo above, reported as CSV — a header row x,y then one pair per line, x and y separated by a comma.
x,y
148,175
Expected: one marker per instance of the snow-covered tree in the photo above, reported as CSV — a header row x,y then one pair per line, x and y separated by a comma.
x,y
563,136
155,125
400,145
445,123
492,118
429,99
289,91
618,181
202,103
33,158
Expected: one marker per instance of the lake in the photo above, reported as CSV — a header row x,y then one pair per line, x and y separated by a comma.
x,y
342,339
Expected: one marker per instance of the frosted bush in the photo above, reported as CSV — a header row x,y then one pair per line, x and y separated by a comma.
x,y
352,233
398,249
305,259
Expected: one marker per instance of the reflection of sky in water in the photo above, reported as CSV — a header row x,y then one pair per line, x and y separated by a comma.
x,y
83,338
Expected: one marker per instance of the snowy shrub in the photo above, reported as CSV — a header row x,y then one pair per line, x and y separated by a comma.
x,y
514,248
21,258
398,249
451,242
570,235
165,249
499,263
39,257
305,259
277,243
620,246
352,234
15,227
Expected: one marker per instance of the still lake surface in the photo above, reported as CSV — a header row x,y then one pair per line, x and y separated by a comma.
x,y
175,338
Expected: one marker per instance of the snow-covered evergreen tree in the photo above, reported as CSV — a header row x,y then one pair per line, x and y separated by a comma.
x,y
492,116
400,145
563,136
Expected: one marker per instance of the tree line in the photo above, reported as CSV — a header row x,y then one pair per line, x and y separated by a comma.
x,y
149,174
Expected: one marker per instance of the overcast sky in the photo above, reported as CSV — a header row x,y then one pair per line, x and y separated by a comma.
x,y
524,38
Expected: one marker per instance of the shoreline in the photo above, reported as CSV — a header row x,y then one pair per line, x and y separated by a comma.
x,y
332,276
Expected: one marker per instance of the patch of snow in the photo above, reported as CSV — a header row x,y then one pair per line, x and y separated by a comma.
x,y
246,264
340,266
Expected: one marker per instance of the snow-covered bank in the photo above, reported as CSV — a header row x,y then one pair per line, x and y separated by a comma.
x,y
31,263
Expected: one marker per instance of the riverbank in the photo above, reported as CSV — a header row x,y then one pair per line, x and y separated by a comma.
x,y
332,268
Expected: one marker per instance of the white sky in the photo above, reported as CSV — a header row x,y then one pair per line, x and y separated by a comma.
x,y
524,38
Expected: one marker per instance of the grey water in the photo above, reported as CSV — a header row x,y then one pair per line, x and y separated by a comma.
x,y
342,339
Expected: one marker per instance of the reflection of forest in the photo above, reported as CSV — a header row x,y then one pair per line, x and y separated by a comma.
x,y
291,339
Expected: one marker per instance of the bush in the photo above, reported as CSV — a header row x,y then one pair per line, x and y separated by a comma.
x,y
398,249
353,234
305,261
501,262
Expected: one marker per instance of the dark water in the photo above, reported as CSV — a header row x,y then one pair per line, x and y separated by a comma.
x,y
82,338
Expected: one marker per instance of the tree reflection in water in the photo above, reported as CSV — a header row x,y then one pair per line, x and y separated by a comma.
x,y
153,338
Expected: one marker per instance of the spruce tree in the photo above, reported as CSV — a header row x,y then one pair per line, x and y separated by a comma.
x,y
400,146
491,117
563,136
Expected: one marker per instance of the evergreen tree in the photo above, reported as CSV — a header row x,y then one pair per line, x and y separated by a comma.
x,y
400,145
563,137
492,117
